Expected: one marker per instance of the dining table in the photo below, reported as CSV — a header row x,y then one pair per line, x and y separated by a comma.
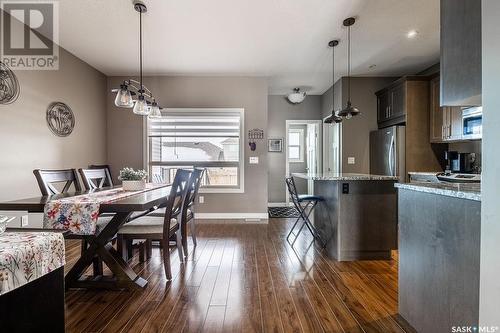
x,y
123,210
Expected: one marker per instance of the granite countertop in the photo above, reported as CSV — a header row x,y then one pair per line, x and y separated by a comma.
x,y
468,191
342,176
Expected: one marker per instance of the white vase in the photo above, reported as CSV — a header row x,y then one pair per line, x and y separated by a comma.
x,y
134,185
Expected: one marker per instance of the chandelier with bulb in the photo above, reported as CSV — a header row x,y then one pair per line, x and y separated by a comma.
x,y
145,104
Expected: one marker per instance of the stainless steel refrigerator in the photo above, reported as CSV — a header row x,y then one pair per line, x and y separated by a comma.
x,y
387,152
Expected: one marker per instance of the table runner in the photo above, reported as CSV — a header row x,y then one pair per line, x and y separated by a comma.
x,y
79,214
26,256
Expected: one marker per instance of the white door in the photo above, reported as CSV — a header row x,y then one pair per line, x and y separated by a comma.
x,y
331,144
312,147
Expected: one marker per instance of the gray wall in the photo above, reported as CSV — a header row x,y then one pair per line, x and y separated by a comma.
x,y
26,143
125,130
280,111
490,209
355,140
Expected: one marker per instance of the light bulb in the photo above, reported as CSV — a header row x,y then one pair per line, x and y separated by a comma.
x,y
349,116
141,106
124,97
155,111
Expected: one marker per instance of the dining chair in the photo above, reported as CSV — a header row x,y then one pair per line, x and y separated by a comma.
x,y
48,178
164,228
108,171
93,179
187,210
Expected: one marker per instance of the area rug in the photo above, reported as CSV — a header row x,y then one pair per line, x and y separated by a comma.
x,y
283,212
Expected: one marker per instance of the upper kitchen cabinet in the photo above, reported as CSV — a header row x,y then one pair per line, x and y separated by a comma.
x,y
445,122
460,53
395,101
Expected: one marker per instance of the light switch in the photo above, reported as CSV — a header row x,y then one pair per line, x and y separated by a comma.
x,y
254,160
351,160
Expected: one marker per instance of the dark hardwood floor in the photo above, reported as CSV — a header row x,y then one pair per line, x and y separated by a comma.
x,y
245,278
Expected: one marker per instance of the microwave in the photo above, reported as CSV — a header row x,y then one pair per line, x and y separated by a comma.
x,y
472,123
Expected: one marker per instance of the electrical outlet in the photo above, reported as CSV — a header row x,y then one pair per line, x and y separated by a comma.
x,y
201,199
24,221
351,160
254,160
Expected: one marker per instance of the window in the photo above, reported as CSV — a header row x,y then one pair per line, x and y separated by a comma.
x,y
296,145
208,138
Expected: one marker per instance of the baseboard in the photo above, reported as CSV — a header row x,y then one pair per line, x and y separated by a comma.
x,y
278,204
260,218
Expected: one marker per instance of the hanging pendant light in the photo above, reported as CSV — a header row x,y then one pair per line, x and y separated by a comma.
x,y
155,111
145,103
349,111
334,117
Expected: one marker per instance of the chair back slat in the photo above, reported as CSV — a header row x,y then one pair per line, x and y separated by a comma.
x,y
109,181
47,178
95,178
292,191
194,186
176,198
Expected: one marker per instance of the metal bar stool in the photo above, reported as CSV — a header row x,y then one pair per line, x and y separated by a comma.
x,y
305,211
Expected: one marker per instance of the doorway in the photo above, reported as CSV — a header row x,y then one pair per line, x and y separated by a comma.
x,y
303,147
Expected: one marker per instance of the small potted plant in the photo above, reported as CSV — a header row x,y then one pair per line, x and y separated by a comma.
x,y
133,180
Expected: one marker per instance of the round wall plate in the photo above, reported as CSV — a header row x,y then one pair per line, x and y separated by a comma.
x,y
60,119
9,86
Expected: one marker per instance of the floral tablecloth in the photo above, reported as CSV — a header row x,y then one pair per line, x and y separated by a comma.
x,y
26,256
79,214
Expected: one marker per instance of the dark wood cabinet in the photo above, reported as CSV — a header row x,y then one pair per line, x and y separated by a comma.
x,y
391,105
383,107
460,53
445,122
398,101
436,113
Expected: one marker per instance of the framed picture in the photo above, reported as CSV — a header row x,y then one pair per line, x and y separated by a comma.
x,y
275,145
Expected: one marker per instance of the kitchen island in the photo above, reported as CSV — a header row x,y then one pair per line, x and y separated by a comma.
x,y
358,219
439,243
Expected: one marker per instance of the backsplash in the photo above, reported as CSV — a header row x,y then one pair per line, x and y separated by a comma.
x,y
469,147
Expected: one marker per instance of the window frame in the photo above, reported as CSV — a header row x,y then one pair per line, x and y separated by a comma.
x,y
240,164
301,145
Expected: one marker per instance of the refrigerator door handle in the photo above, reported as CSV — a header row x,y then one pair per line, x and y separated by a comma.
x,y
391,158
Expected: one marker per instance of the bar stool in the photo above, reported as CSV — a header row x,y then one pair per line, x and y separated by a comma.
x,y
304,204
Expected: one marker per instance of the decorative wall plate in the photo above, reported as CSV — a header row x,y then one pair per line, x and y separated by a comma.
x,y
9,86
60,119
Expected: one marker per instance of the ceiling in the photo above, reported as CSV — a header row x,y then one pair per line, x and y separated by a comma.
x,y
285,40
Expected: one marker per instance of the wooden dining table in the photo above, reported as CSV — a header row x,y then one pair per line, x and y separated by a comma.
x,y
99,245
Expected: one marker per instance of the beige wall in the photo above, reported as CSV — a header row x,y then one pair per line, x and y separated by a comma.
x,y
125,130
26,143
280,111
355,141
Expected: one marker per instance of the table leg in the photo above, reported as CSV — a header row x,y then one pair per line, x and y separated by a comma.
x,y
124,276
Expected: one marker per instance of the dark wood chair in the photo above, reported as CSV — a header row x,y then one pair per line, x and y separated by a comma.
x,y
187,210
164,228
108,171
95,178
48,178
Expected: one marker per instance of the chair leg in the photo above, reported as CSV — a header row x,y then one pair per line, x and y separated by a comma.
x,y
142,251
166,259
178,242
130,253
149,248
184,236
121,246
192,226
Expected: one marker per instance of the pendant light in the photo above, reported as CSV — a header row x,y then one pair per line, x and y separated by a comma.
x,y
334,117
349,111
145,104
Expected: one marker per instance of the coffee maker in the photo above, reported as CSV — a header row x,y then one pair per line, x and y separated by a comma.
x,y
459,162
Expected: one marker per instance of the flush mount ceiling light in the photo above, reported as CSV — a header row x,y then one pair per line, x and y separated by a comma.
x,y
296,97
349,111
412,33
334,117
145,104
